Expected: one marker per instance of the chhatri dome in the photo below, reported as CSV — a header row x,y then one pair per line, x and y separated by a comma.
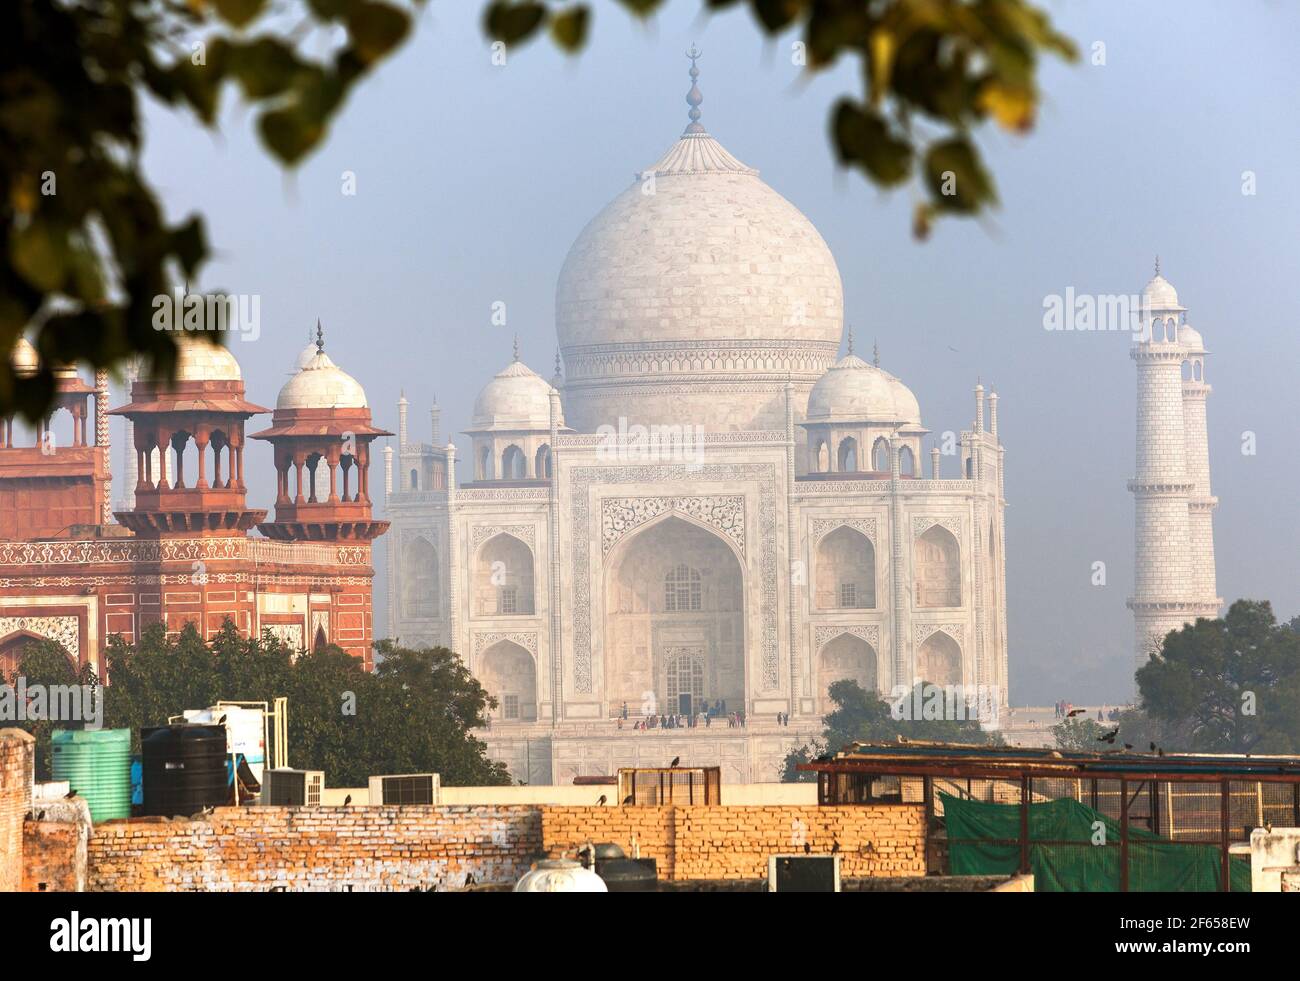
x,y
854,391
1159,294
321,384
517,398
695,295
198,359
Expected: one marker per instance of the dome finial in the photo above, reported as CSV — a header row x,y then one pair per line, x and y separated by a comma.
x,y
516,347
875,354
1157,265
558,370
694,97
320,338
850,330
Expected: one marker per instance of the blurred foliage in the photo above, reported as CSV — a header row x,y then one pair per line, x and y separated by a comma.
x,y
1229,685
931,70
865,717
85,246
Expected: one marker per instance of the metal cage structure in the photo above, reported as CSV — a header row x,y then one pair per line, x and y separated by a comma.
x,y
1115,820
658,786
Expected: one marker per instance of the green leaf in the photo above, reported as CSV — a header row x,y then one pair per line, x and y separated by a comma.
x,y
289,134
956,177
512,22
264,67
569,28
863,139
239,12
642,8
40,254
376,29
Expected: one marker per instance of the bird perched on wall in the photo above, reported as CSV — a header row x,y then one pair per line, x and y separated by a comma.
x,y
1153,747
601,801
676,760
1109,737
627,799
807,848
835,847
347,800
221,721
70,794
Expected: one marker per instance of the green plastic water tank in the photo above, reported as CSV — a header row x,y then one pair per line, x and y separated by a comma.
x,y
97,763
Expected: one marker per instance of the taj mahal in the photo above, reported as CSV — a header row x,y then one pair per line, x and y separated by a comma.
x,y
705,505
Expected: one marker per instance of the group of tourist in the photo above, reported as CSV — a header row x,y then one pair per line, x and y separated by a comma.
x,y
700,719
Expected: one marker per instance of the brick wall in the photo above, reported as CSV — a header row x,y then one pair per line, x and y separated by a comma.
x,y
401,848
17,763
50,857
734,842
319,849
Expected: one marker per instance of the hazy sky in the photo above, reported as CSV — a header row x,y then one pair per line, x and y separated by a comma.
x,y
473,181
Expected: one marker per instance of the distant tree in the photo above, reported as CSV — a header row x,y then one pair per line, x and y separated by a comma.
x,y
1080,735
413,714
85,245
45,664
862,716
1232,682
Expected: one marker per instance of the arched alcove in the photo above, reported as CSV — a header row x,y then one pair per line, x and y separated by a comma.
x,y
936,560
846,571
503,580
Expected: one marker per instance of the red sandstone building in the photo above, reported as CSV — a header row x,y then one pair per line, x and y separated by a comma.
x,y
187,547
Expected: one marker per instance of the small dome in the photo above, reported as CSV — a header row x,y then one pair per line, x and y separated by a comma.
x,y
854,391
23,358
305,356
1159,294
517,398
1190,338
321,384
200,360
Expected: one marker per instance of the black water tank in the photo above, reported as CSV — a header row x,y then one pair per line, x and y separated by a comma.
x,y
184,769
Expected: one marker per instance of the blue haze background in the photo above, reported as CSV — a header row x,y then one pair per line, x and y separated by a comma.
x,y
473,180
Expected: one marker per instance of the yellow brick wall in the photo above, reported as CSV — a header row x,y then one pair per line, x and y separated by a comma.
x,y
734,842
403,848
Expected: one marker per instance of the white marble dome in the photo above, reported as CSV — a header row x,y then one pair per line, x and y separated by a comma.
x,y
23,358
305,356
1190,338
198,359
855,391
321,384
1159,294
517,398
694,296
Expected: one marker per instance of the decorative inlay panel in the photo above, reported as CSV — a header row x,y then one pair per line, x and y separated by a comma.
x,y
921,631
64,630
765,475
619,515
481,533
180,550
526,640
921,525
818,527
869,632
